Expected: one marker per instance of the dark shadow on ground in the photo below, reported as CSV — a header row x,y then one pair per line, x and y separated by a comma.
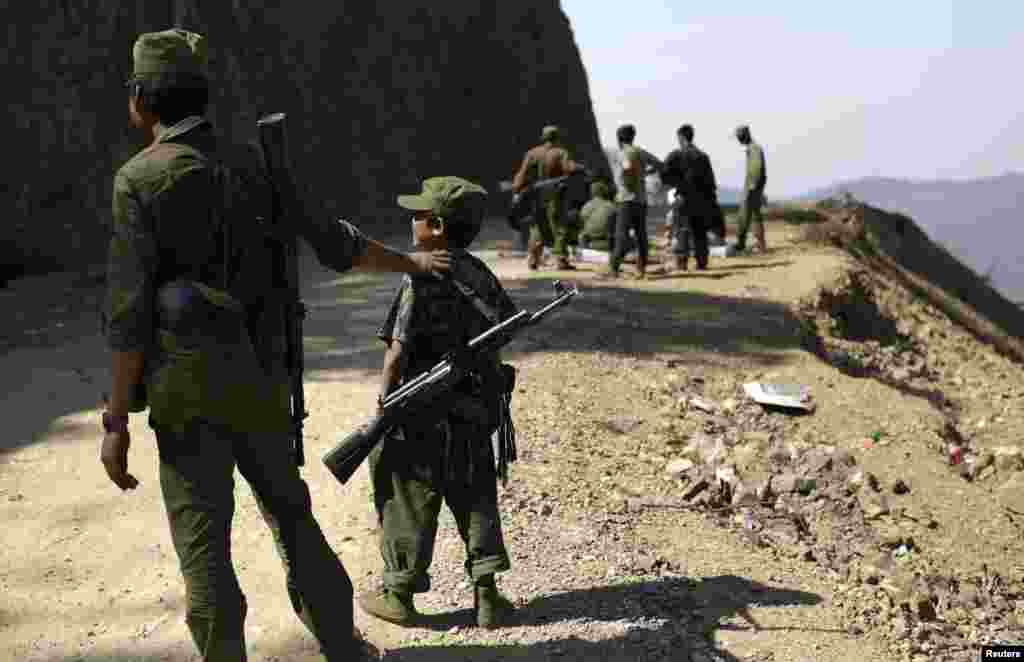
x,y
666,619
604,317
346,309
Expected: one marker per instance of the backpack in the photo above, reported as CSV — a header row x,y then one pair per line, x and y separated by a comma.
x,y
249,253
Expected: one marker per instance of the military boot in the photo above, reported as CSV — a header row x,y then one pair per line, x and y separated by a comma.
x,y
492,608
680,263
641,269
389,605
534,253
762,245
564,264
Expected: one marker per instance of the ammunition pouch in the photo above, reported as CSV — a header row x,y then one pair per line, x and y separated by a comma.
x,y
481,399
197,315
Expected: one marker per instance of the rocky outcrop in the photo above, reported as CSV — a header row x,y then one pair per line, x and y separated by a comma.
x,y
379,95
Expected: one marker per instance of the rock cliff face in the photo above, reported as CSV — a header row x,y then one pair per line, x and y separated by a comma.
x,y
379,95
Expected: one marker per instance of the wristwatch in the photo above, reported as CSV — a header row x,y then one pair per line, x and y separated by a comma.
x,y
114,423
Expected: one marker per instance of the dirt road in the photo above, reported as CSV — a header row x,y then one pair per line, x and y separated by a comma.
x,y
89,574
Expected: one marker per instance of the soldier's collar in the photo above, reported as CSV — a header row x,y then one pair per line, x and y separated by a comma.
x,y
182,127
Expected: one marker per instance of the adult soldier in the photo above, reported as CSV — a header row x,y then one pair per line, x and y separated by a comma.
x,y
753,191
630,164
547,160
187,315
689,170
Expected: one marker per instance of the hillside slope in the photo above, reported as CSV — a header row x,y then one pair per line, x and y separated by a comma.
x,y
978,220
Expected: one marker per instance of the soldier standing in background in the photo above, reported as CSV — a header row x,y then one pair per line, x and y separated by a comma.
x,y
630,165
191,314
689,170
545,161
753,191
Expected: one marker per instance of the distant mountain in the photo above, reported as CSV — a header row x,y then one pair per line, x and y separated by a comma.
x,y
981,221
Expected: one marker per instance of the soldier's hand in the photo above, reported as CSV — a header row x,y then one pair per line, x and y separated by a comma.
x,y
114,455
434,262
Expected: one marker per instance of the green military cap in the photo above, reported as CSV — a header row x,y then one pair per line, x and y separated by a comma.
x,y
550,132
170,52
599,189
454,199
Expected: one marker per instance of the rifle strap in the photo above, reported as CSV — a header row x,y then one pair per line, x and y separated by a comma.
x,y
489,313
505,430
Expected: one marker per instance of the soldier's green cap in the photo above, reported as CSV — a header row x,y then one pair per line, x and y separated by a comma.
x,y
169,52
454,199
599,189
550,132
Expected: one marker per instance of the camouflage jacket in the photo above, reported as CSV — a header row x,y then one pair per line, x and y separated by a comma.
x,y
165,227
431,317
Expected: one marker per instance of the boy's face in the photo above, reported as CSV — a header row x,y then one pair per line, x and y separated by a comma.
x,y
425,227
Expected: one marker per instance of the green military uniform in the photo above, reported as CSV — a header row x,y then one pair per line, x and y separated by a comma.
x,y
599,218
215,371
753,192
631,195
547,161
450,460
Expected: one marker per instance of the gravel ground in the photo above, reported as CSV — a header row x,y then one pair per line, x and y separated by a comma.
x,y
609,562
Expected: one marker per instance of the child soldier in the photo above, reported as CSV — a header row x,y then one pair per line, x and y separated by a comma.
x,y
451,459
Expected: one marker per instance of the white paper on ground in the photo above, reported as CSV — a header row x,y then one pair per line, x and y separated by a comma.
x,y
781,395
584,255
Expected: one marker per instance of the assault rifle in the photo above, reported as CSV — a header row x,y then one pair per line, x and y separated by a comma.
x,y
425,394
525,204
546,184
275,155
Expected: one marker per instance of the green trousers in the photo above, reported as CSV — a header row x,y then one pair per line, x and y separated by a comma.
x,y
197,463
551,227
411,478
750,211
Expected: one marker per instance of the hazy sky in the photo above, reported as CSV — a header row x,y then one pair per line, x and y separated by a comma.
x,y
903,88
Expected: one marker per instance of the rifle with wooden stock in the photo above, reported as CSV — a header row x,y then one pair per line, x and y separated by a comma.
x,y
425,395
